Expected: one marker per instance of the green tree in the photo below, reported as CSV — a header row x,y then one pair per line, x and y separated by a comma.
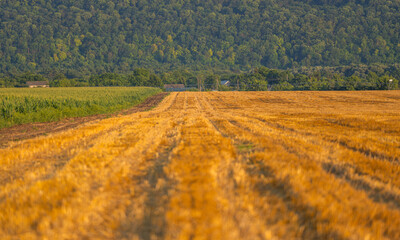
x,y
212,82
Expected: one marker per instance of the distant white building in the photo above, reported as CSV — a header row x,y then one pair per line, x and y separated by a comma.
x,y
36,84
226,83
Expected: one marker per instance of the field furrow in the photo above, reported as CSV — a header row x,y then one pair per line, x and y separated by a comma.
x,y
214,165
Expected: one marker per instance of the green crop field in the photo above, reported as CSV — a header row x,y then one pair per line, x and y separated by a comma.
x,y
19,106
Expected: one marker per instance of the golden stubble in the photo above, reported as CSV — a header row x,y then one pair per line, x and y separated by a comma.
x,y
216,165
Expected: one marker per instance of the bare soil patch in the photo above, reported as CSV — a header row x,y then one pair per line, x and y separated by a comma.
x,y
31,130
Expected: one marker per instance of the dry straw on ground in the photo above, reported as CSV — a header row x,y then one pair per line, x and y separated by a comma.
x,y
252,165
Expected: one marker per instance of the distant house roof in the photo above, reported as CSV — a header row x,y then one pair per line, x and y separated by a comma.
x,y
225,83
37,83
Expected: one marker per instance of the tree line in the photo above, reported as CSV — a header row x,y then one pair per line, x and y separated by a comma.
x,y
358,77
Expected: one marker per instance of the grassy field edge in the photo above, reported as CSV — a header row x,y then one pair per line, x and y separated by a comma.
x,y
22,106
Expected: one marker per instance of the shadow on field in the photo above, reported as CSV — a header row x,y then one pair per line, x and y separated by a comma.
x,y
154,187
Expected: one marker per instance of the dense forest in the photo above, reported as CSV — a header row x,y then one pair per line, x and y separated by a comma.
x,y
84,37
358,77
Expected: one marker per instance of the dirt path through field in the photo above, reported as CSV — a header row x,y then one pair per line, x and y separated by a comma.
x,y
261,165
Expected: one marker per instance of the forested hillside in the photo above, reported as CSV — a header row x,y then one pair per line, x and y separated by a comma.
x,y
96,36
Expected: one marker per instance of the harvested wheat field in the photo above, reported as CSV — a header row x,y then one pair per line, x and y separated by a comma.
x,y
215,165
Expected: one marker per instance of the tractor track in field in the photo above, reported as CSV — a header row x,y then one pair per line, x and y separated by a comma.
x,y
267,184
329,138
376,189
211,165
